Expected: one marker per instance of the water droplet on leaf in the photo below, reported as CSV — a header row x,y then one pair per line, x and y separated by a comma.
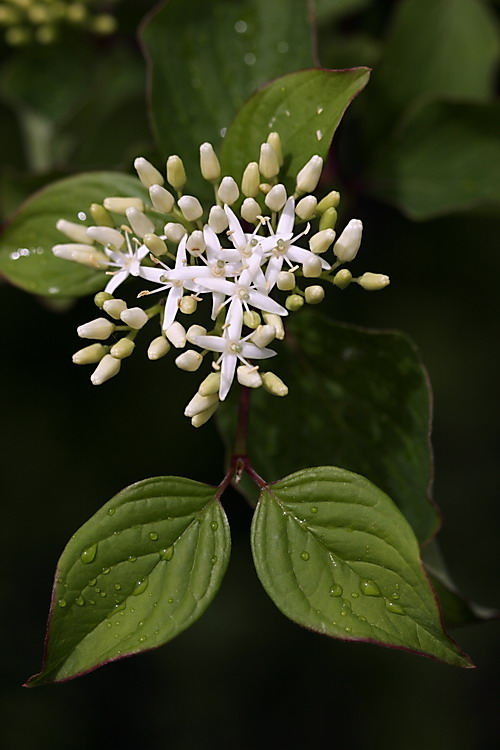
x,y
394,607
140,587
369,587
167,554
304,556
88,555
214,525
80,600
336,590
153,535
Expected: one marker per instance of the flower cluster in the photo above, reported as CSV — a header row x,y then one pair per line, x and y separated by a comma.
x,y
39,21
242,254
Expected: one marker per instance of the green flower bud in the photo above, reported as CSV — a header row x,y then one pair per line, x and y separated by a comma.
x,y
176,174
210,385
155,244
314,294
331,200
89,355
273,384
251,318
122,349
101,216
294,302
269,165
101,298
343,278
328,219
286,281
250,180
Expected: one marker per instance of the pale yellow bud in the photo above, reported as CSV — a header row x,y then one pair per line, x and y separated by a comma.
x,y
75,232
276,198
158,348
120,205
263,335
148,174
107,368
122,349
188,305
114,307
273,384
294,302
191,207
176,174
161,198
139,222
269,165
89,355
321,241
155,244
308,177
331,200
274,141
217,219
275,320
347,245
328,219
199,419
195,331
285,281
174,231
189,360
250,210
106,236
196,243
372,282
314,294
306,207
135,317
343,278
252,319
311,267
200,403
250,180
248,376
101,216
176,334
210,385
228,191
209,163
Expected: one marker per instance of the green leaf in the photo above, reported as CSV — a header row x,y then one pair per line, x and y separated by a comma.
x,y
26,257
201,72
305,108
358,399
336,556
435,48
138,573
444,159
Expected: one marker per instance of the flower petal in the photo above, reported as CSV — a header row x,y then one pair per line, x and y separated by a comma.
x,y
117,278
228,367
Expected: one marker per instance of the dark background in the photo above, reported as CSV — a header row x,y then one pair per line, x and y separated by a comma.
x,y
243,676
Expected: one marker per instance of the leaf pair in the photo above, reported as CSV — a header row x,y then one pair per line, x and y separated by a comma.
x,y
332,551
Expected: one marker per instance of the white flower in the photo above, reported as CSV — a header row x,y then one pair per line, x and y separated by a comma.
x,y
232,347
127,263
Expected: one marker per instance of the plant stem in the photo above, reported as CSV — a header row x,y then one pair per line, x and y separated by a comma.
x,y
240,442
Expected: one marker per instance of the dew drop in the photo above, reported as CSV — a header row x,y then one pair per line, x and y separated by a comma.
x,y
167,554
88,555
170,600
362,618
142,639
214,559
348,630
214,525
282,47
103,593
109,625
117,532
304,556
111,511
105,571
62,602
80,600
153,535
91,601
140,587
92,581
394,607
369,587
355,595
319,135
82,215
336,590
117,608
314,509
118,586
132,559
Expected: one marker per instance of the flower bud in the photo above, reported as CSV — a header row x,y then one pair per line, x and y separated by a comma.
x,y
148,174
158,348
176,334
123,348
101,216
100,329
189,360
107,368
228,191
161,198
176,174
331,200
252,319
274,141
328,219
248,376
174,231
273,384
196,243
210,385
217,219
188,305
134,317
89,355
308,177
321,241
311,267
120,205
87,255
106,236
343,278
250,180
195,331
102,297
200,403
114,307
263,335
269,165
314,294
265,187
285,281
75,232
191,207
294,302
276,321
276,198
154,244
348,243
139,222
306,207
209,163
199,419
250,210
372,282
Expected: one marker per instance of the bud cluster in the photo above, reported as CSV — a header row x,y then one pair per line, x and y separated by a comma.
x,y
249,267
40,21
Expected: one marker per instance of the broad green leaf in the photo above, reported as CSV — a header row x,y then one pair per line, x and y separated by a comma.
x,y
446,158
358,399
435,48
456,609
205,63
26,257
336,556
138,573
305,108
